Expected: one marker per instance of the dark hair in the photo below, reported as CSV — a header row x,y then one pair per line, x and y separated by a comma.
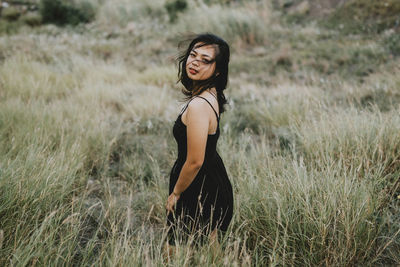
x,y
218,81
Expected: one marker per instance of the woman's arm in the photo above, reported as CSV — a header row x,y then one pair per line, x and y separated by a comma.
x,y
197,132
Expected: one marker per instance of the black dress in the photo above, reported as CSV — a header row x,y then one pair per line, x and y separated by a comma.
x,y
208,201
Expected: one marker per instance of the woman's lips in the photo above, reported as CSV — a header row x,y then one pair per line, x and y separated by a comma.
x,y
192,71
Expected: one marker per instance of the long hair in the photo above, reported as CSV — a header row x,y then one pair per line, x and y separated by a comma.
x,y
219,81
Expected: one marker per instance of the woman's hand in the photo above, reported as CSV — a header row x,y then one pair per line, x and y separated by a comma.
x,y
171,202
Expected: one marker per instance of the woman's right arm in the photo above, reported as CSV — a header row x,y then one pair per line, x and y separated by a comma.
x,y
197,133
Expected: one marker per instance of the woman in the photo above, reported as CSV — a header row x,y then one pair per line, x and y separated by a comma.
x,y
201,199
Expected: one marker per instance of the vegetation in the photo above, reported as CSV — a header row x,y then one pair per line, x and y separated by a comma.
x,y
63,12
175,7
392,42
366,16
310,139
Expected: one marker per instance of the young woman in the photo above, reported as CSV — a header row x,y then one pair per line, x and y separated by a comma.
x,y
200,201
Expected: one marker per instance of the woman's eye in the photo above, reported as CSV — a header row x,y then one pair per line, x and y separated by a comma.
x,y
205,61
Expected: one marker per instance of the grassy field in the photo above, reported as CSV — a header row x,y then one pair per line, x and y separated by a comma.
x,y
310,140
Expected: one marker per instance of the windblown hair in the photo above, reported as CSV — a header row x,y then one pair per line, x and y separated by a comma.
x,y
219,81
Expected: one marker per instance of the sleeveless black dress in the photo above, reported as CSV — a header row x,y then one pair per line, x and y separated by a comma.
x,y
208,201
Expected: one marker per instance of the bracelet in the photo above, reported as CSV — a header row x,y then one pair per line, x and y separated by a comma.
x,y
177,195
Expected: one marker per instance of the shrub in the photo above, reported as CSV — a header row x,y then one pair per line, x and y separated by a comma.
x,y
32,19
9,27
62,13
174,7
11,13
392,44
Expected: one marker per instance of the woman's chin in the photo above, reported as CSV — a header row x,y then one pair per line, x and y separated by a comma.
x,y
192,77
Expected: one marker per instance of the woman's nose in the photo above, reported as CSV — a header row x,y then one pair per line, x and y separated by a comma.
x,y
195,62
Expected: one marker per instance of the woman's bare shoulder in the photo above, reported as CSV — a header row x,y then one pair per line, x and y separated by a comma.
x,y
197,105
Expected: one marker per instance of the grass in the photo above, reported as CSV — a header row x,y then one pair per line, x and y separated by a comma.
x,y
239,25
366,16
310,142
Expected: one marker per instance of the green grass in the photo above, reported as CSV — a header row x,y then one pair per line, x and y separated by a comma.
x,y
366,16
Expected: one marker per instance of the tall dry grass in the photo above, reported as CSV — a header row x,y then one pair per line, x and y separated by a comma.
x,y
86,148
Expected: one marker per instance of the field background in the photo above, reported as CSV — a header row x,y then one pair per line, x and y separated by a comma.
x,y
310,139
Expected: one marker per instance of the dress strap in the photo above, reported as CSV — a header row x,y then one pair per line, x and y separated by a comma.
x,y
185,107
216,114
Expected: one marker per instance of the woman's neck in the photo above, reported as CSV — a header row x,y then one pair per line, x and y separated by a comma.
x,y
212,91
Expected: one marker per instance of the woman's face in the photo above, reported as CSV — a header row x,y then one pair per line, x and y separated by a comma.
x,y
200,64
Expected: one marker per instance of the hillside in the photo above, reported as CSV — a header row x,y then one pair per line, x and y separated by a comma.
x,y
310,138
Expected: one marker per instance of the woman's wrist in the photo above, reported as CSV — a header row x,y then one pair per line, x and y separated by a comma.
x,y
175,194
